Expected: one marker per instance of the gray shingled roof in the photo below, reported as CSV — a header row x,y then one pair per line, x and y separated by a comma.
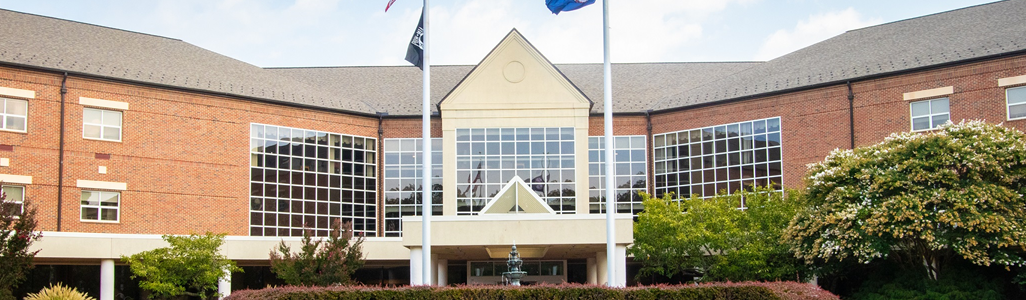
x,y
958,35
949,37
81,48
397,90
637,86
392,90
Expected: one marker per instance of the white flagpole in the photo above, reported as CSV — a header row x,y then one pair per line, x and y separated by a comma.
x,y
426,154
607,108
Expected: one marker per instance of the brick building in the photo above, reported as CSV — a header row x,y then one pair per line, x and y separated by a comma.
x,y
118,137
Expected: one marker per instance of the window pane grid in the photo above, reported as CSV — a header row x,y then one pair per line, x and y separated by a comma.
x,y
306,178
13,114
631,173
402,187
487,158
1016,99
100,206
929,114
101,124
729,157
15,196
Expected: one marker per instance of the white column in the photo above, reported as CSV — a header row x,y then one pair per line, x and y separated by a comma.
x,y
416,273
107,279
443,272
600,262
592,271
433,268
224,285
621,266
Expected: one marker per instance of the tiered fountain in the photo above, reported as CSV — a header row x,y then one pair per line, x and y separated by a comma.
x,y
513,263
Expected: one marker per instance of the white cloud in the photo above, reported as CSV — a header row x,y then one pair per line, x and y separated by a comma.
x,y
641,30
817,28
279,31
463,34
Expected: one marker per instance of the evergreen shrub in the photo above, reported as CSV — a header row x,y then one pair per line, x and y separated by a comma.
x,y
732,291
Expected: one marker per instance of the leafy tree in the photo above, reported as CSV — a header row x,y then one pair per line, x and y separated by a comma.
x,y
715,239
919,199
191,266
17,232
320,262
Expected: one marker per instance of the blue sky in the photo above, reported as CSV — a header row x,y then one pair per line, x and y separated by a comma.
x,y
301,33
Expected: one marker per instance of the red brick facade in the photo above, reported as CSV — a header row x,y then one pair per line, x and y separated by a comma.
x,y
816,121
185,157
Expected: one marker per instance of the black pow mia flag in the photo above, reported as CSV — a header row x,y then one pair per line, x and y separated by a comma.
x,y
415,51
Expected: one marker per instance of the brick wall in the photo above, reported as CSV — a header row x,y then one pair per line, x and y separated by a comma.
x,y
409,127
184,156
880,108
622,125
816,121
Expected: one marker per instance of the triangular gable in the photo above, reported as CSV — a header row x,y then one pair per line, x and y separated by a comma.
x,y
515,75
516,193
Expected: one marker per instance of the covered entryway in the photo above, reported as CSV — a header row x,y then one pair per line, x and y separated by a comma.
x,y
517,216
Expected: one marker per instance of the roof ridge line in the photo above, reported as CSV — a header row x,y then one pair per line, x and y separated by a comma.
x,y
90,24
927,15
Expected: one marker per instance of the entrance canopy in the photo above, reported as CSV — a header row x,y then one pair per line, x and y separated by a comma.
x,y
563,236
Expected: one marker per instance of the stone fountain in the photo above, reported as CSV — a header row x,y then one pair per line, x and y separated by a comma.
x,y
513,263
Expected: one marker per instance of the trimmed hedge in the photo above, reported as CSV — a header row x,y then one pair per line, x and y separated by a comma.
x,y
725,291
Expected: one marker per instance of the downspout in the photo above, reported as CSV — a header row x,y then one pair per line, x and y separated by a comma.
x,y
60,160
851,114
381,176
650,161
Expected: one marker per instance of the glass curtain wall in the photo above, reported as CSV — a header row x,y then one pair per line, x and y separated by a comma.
x,y
722,158
487,158
403,184
631,173
308,179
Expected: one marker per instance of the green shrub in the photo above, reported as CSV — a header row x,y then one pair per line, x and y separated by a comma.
x,y
676,237
59,292
191,266
961,281
321,262
733,291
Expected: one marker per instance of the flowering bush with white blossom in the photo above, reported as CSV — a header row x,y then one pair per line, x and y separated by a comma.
x,y
920,199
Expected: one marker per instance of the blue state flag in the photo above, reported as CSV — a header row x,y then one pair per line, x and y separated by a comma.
x,y
557,6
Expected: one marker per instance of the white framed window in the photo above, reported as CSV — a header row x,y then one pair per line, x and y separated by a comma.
x,y
727,158
631,173
304,178
487,158
13,114
15,195
1015,98
101,206
101,124
929,114
403,183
